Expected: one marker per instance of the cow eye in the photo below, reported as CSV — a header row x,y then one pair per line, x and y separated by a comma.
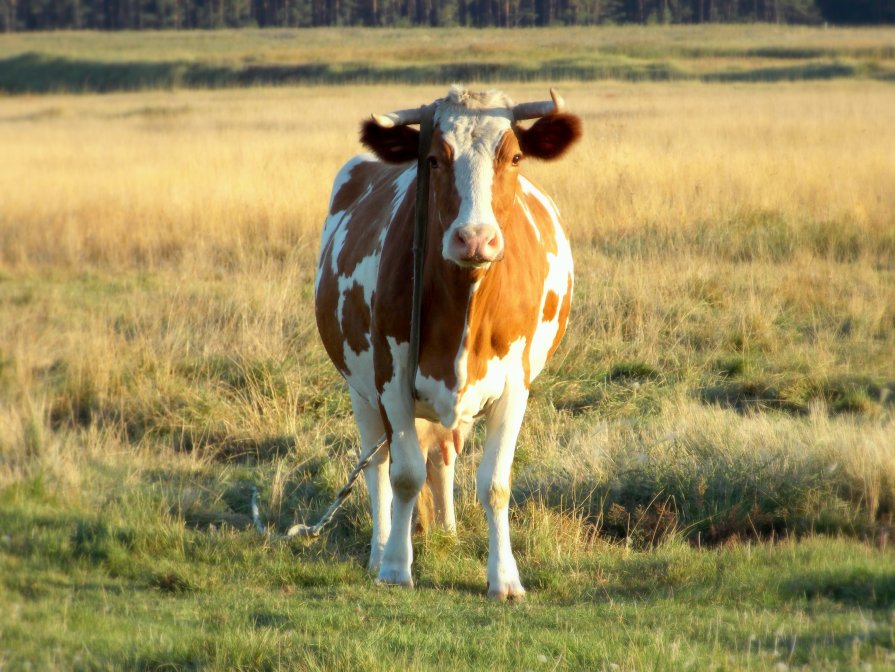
x,y
433,162
516,159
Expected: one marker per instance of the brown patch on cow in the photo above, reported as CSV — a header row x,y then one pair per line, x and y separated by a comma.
x,y
356,319
507,304
368,218
441,329
351,191
326,307
551,303
563,318
394,287
506,176
444,200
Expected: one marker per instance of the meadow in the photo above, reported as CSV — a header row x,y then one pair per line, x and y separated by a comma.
x,y
706,476
85,61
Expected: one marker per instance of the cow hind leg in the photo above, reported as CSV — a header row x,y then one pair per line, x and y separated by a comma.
x,y
369,425
441,447
440,477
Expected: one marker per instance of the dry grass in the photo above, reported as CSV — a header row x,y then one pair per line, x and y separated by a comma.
x,y
205,178
734,248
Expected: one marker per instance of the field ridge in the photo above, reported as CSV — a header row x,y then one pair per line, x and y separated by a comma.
x,y
86,62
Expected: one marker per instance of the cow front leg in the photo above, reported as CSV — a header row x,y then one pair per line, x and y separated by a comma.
x,y
493,485
370,428
407,475
380,489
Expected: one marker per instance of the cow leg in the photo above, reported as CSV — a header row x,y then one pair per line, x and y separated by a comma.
x,y
441,481
407,475
493,485
438,446
369,425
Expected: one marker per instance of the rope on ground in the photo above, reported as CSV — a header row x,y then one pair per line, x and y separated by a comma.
x,y
313,531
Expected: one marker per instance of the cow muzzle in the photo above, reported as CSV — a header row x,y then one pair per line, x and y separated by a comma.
x,y
474,245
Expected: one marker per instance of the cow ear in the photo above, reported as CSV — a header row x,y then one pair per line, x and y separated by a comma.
x,y
549,137
398,144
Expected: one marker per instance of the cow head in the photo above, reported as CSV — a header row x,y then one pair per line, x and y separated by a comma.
x,y
474,158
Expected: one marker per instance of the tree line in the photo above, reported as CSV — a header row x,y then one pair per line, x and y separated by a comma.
x,y
19,15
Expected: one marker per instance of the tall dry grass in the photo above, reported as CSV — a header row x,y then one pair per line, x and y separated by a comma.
x,y
148,179
735,257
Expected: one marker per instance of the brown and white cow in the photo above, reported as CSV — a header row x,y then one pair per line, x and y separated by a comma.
x,y
496,295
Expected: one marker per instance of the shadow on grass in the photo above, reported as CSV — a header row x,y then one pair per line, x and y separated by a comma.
x,y
795,395
193,657
41,73
270,619
750,397
802,72
858,587
223,447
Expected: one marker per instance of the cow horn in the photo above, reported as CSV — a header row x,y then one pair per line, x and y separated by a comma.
x,y
402,117
540,108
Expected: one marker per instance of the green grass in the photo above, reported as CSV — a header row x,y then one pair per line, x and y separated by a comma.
x,y
656,529
123,582
83,61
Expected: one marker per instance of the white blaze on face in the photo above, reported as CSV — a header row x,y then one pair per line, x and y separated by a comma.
x,y
473,125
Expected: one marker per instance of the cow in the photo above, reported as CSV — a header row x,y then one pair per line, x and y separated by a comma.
x,y
496,294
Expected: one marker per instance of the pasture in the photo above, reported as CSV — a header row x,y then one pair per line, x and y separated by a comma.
x,y
84,61
706,476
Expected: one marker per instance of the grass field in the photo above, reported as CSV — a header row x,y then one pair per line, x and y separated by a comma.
x,y
89,61
706,477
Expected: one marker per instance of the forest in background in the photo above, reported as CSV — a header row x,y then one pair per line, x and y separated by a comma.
x,y
26,15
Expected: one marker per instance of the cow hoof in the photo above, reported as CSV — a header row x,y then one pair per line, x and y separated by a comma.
x,y
374,563
508,591
394,577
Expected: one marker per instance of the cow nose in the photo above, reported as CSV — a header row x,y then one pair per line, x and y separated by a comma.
x,y
476,244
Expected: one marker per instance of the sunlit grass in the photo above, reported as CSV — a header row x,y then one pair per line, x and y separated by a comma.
x,y
734,248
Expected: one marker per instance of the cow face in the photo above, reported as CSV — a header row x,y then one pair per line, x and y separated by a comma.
x,y
474,161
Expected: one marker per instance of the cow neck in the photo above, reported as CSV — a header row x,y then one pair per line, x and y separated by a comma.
x,y
448,292
421,221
